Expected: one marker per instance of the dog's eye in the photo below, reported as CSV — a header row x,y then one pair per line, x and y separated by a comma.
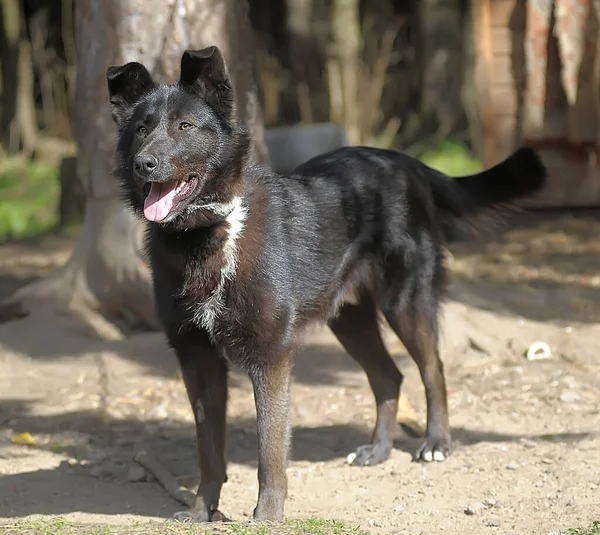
x,y
141,130
185,125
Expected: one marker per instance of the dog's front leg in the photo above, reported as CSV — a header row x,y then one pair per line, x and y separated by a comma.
x,y
205,376
271,382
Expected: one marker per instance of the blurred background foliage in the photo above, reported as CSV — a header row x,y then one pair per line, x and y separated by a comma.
x,y
393,73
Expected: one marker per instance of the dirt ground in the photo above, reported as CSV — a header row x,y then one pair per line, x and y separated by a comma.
x,y
526,432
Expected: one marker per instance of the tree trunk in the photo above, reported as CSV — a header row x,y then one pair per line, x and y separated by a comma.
x,y
442,31
107,271
71,208
10,39
345,19
303,55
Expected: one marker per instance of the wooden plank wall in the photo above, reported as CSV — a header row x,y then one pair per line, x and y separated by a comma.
x,y
499,29
508,71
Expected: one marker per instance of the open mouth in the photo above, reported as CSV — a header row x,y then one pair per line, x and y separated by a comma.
x,y
162,197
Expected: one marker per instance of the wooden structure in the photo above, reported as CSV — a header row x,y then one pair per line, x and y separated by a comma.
x,y
569,138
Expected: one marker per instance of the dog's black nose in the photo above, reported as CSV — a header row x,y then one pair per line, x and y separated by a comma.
x,y
144,164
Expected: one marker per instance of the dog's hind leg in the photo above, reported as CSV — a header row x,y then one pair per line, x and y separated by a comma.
x,y
357,330
271,383
416,326
205,375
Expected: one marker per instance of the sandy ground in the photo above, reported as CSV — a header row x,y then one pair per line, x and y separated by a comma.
x,y
526,432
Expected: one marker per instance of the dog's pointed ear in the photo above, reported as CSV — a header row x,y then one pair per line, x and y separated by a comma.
x,y
205,72
127,84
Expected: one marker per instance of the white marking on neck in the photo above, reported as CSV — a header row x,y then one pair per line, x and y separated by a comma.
x,y
212,307
219,208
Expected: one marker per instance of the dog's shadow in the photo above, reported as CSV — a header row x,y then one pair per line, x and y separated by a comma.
x,y
66,487
327,443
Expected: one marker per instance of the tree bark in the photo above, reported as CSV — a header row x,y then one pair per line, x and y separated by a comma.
x,y
346,31
107,271
10,39
303,55
442,29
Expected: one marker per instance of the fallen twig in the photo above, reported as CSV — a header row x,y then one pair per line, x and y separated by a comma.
x,y
164,477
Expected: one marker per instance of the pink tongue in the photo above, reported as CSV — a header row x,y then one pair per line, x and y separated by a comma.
x,y
159,201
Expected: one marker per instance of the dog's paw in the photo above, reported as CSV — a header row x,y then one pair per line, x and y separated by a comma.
x,y
270,506
369,455
198,517
187,516
434,449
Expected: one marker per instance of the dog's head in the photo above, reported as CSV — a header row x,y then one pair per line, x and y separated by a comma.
x,y
180,150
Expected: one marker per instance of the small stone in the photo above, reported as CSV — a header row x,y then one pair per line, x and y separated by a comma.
x,y
492,524
105,470
135,474
545,460
399,508
157,413
512,466
569,396
528,443
491,502
570,381
97,471
475,508
65,465
350,458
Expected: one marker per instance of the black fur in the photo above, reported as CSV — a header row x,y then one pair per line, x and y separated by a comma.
x,y
244,260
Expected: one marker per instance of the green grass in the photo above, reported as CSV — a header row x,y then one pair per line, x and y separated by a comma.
x,y
594,530
453,159
29,197
59,526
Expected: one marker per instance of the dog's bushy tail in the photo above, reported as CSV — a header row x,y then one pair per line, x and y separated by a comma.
x,y
471,204
520,175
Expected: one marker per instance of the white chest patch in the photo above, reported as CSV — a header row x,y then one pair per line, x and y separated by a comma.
x,y
212,307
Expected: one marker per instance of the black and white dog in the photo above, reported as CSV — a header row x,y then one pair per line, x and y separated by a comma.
x,y
244,260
